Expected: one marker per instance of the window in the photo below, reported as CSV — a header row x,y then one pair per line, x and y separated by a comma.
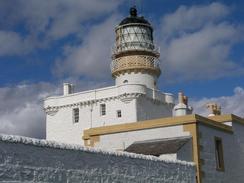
x,y
102,109
125,81
119,115
219,155
76,115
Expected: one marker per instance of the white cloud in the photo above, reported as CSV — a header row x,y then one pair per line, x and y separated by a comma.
x,y
196,43
45,21
21,111
26,121
229,104
13,44
92,57
21,107
191,18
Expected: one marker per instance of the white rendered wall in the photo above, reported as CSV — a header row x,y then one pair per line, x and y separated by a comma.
x,y
105,93
61,127
59,110
121,141
233,155
30,160
184,153
146,79
151,109
172,156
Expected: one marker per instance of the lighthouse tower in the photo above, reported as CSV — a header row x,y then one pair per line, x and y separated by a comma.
x,y
134,98
135,59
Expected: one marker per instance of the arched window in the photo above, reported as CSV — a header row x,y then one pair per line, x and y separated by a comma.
x,y
125,81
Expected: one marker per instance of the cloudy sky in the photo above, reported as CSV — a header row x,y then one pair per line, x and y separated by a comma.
x,y
44,43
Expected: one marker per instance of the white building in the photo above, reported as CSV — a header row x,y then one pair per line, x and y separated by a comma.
x,y
135,97
135,116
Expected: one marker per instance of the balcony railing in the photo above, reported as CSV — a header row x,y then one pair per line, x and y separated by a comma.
x,y
135,46
135,62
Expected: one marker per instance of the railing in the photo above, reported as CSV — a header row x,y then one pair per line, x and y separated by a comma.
x,y
134,47
135,62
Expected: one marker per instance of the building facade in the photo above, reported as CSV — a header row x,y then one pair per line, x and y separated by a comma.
x,y
215,144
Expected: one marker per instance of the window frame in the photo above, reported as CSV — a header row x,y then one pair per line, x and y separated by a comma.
x,y
103,109
76,111
219,154
119,114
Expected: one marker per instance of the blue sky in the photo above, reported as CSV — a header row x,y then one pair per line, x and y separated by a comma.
x,y
45,43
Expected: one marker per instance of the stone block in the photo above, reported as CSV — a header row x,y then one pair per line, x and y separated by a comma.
x,y
50,175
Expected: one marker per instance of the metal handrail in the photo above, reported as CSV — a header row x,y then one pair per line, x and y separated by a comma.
x,y
118,49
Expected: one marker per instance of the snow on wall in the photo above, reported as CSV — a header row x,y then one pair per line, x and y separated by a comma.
x,y
30,160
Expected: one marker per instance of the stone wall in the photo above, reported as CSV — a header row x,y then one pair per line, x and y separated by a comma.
x,y
235,155
232,151
30,160
207,154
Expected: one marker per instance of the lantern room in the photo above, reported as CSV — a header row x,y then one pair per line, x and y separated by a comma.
x,y
135,59
134,33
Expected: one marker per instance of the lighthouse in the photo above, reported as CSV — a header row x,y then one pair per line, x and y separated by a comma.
x,y
134,97
135,59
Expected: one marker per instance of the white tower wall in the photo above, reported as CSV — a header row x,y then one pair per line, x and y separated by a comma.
x,y
137,78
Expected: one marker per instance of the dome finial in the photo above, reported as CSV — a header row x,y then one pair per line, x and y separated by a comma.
x,y
133,11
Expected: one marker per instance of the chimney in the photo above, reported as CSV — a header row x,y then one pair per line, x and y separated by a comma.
x,y
185,100
181,98
214,108
68,88
182,107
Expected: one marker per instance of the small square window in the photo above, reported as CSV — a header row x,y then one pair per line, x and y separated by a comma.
x,y
219,155
102,109
76,115
119,114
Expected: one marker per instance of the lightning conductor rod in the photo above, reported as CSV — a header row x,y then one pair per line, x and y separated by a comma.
x,y
138,4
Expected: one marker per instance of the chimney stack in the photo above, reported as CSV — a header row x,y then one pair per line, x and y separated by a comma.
x,y
214,108
68,88
182,107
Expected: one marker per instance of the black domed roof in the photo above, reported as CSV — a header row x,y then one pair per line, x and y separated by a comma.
x,y
133,18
